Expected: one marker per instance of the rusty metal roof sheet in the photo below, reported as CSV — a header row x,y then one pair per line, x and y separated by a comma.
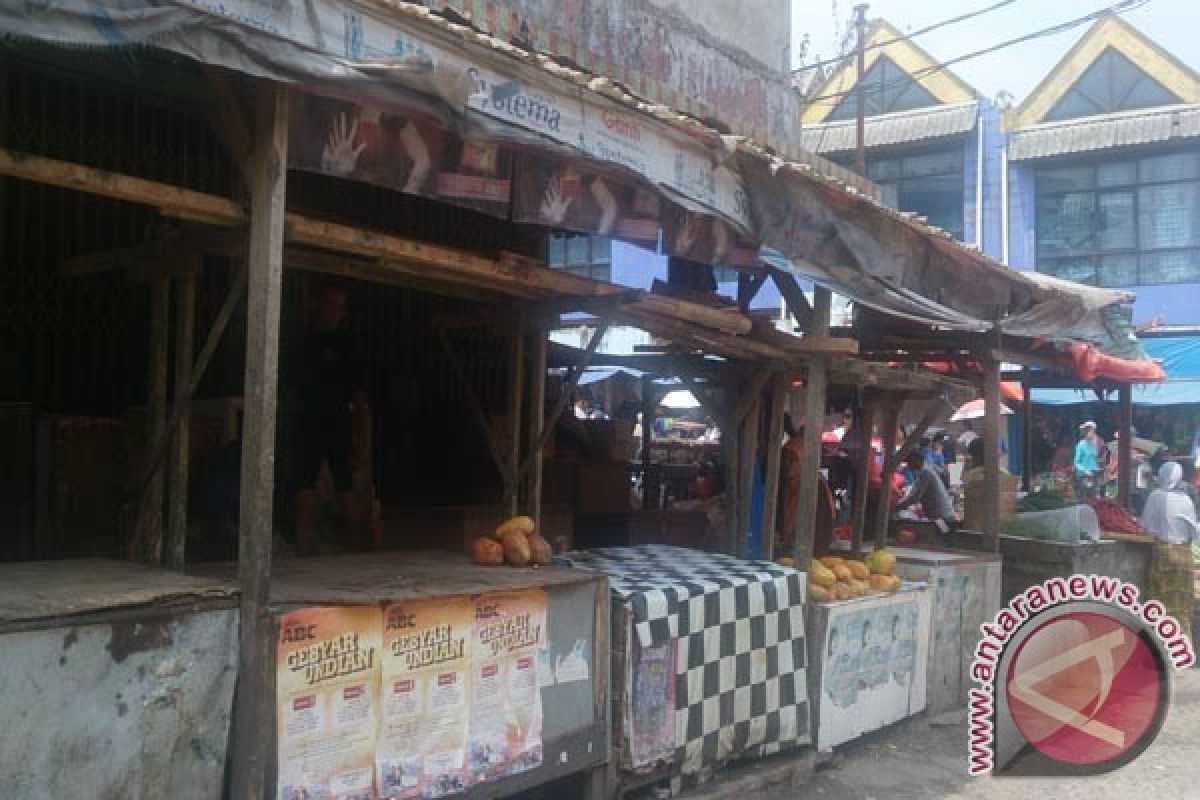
x,y
898,128
1105,131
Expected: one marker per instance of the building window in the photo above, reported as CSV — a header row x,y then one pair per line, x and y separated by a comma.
x,y
587,256
886,88
929,184
1111,83
1126,223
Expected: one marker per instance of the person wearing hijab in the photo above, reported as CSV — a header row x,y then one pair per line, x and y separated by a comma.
x,y
1170,516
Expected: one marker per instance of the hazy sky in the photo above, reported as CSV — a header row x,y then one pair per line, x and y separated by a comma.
x,y
1174,24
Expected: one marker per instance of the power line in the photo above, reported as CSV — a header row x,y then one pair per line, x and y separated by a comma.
x,y
921,31
1116,8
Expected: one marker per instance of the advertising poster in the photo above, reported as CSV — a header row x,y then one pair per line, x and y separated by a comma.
x,y
397,150
327,694
422,749
506,704
705,239
565,194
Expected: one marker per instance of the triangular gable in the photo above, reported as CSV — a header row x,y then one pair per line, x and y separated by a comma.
x,y
1109,43
943,85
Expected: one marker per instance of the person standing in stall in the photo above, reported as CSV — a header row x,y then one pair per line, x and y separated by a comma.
x,y
328,381
1170,515
928,490
1087,462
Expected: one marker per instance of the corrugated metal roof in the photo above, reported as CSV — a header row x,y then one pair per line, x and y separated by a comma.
x,y
898,128
1102,132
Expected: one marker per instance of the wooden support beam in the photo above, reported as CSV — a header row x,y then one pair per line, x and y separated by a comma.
x,y
793,295
516,396
253,732
560,405
649,406
185,341
228,118
862,474
883,502
750,394
731,451
748,456
815,388
146,545
774,443
749,284
1027,433
537,421
1125,445
991,453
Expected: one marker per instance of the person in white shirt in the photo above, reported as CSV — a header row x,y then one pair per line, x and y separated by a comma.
x,y
1170,516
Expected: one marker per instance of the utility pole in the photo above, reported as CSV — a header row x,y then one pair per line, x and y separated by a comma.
x,y
860,155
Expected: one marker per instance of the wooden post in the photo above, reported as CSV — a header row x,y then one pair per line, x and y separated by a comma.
x,y
731,444
883,503
537,419
814,422
991,452
185,335
1125,445
515,398
253,733
862,475
148,536
774,445
649,404
1027,432
747,456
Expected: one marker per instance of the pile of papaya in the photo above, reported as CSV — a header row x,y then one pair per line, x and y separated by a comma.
x,y
515,542
832,578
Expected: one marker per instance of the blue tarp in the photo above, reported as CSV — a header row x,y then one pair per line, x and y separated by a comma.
x,y
1170,393
1180,355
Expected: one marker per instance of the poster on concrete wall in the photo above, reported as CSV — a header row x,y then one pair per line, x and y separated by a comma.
x,y
426,672
506,704
408,152
327,695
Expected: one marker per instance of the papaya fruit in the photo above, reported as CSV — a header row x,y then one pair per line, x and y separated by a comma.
x,y
821,575
522,524
830,561
487,551
539,549
858,570
818,594
842,591
516,548
786,561
842,572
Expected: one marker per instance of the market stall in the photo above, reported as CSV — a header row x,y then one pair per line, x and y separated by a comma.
x,y
421,673
709,660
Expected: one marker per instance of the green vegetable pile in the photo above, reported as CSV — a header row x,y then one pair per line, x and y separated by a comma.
x,y
1045,500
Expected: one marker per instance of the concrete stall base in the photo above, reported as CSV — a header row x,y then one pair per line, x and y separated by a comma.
x,y
116,680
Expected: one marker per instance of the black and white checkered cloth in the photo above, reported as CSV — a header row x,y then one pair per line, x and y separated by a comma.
x,y
740,659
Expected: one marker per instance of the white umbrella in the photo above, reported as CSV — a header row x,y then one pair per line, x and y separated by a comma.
x,y
974,410
680,398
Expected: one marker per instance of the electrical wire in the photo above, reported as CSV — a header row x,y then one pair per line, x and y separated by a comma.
x,y
1116,8
906,37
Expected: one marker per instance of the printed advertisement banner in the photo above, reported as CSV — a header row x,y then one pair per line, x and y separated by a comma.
x,y
406,152
327,690
506,704
566,194
427,649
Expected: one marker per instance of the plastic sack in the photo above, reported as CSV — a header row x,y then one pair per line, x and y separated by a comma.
x,y
1065,525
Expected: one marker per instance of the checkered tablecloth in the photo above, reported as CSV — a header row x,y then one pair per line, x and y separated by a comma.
x,y
741,687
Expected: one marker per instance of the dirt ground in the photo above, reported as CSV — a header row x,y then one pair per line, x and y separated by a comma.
x,y
924,760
